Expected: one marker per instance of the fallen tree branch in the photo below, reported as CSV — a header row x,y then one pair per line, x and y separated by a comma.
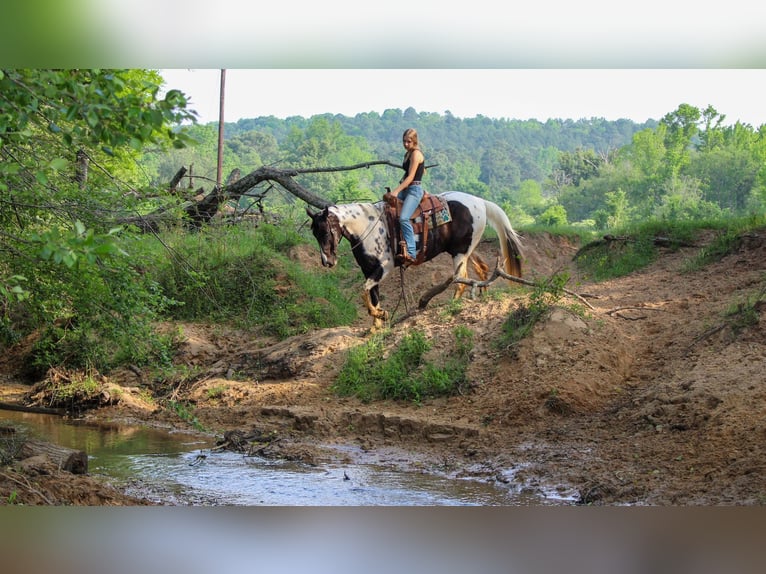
x,y
431,293
203,210
26,409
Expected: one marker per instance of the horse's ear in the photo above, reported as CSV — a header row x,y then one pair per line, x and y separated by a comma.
x,y
311,214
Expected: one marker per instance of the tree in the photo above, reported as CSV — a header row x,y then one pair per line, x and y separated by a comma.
x,y
712,136
554,215
67,141
324,143
681,128
727,175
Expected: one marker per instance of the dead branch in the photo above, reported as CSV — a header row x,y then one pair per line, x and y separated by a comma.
x,y
474,284
176,179
433,292
27,486
203,210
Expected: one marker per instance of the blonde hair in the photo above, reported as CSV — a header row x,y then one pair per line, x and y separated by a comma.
x,y
412,133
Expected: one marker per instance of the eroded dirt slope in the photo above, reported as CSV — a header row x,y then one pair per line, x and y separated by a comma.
x,y
651,397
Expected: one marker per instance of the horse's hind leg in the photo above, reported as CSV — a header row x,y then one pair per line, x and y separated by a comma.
x,y
480,267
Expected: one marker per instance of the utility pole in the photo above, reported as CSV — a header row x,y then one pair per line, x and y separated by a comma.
x,y
219,173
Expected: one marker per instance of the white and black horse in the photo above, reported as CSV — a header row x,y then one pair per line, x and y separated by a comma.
x,y
364,226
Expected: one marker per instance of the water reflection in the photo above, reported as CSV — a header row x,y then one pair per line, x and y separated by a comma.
x,y
179,469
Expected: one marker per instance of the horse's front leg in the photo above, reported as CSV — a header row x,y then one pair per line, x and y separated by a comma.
x,y
372,302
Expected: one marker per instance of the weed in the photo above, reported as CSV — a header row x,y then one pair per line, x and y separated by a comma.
x,y
404,374
747,313
546,294
724,244
215,392
244,276
183,411
72,389
452,308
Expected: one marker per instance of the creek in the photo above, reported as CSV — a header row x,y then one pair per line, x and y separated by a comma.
x,y
176,468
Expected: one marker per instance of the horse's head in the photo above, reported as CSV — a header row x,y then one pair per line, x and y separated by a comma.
x,y
326,229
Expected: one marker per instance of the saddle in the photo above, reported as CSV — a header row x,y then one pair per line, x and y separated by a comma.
x,y
432,212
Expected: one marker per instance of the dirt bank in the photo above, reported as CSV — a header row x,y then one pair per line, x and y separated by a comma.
x,y
652,397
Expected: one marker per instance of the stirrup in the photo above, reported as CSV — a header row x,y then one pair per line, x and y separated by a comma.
x,y
406,260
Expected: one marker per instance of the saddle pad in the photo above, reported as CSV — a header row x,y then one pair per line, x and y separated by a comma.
x,y
436,207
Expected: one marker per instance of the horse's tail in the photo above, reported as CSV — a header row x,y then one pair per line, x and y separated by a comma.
x,y
510,242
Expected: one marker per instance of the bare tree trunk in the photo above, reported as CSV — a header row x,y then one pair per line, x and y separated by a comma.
x,y
177,179
204,210
81,168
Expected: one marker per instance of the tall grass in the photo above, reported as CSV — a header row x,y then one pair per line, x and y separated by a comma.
x,y
634,247
244,276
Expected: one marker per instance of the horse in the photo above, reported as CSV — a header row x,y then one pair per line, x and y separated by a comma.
x,y
364,226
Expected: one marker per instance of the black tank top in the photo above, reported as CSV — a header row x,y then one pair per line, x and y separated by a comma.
x,y
418,172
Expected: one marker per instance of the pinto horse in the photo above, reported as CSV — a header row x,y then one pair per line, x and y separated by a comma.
x,y
364,226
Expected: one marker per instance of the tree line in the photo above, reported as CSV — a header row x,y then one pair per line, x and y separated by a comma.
x,y
591,172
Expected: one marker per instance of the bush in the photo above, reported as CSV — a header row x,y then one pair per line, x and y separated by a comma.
x,y
404,374
242,276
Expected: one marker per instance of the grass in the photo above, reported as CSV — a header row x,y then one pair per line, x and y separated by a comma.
x,y
185,412
404,374
546,294
633,248
728,240
243,276
746,313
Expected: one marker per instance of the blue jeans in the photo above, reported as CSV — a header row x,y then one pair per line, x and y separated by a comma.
x,y
410,197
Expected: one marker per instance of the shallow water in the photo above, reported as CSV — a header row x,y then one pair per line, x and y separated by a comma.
x,y
180,469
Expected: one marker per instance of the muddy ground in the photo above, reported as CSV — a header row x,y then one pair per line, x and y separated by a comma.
x,y
652,397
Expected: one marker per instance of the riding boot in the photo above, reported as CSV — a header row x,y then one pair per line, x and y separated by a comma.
x,y
404,256
407,260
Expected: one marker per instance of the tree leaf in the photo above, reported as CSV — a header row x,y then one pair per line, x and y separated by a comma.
x,y
58,164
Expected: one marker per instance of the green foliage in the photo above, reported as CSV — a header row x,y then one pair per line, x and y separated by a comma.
x,y
185,412
67,140
96,316
728,240
243,275
73,390
546,294
746,313
554,215
630,250
404,374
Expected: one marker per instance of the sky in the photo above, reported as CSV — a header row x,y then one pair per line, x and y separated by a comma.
x,y
548,59
635,94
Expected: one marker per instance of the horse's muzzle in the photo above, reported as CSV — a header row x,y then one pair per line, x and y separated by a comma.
x,y
328,261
